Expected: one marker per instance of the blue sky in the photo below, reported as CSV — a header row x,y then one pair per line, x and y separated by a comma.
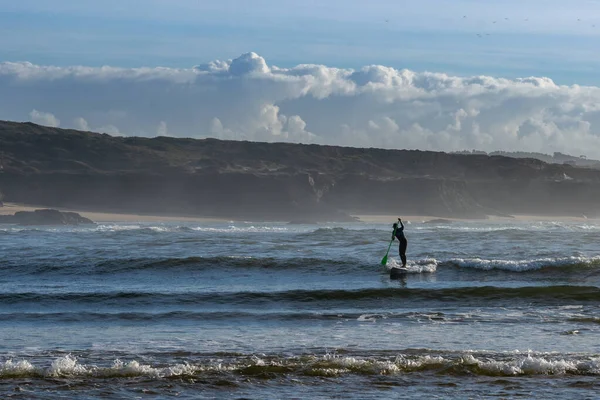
x,y
528,38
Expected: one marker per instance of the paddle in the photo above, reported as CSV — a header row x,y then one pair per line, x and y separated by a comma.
x,y
384,259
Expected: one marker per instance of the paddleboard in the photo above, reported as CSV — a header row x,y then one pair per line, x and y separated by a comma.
x,y
398,272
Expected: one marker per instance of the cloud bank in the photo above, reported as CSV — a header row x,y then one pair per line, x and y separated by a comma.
x,y
246,98
42,118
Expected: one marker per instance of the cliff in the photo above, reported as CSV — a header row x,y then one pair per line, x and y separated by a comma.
x,y
45,217
280,181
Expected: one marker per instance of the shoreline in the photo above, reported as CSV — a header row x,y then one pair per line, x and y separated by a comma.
x,y
491,218
100,216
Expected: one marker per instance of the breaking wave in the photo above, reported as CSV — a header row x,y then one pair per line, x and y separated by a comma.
x,y
328,365
525,265
344,265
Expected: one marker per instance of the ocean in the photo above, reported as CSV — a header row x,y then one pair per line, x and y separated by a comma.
x,y
256,310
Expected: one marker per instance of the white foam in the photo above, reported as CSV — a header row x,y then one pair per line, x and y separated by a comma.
x,y
470,228
371,317
340,364
117,227
130,369
66,366
516,226
419,362
249,229
531,365
523,265
520,365
19,368
167,228
587,227
69,366
525,365
508,364
163,228
427,265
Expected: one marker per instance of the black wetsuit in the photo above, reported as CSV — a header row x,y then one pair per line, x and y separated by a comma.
x,y
403,243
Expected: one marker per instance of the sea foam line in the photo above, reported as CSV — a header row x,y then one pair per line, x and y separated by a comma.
x,y
524,265
330,365
429,265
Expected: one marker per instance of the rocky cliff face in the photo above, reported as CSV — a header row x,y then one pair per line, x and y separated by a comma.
x,y
278,181
45,217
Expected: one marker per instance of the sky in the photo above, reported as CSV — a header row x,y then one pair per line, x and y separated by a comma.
x,y
429,74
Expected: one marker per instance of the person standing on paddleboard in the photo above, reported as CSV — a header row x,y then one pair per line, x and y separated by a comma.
x,y
399,234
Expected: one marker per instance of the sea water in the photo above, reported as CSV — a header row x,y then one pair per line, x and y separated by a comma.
x,y
489,309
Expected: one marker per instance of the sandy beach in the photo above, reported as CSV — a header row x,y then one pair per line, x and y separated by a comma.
x,y
11,208
423,218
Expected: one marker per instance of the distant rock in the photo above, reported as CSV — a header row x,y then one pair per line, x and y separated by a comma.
x,y
45,217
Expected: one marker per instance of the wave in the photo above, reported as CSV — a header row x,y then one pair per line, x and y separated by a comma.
x,y
307,366
318,298
141,228
342,265
218,263
429,265
337,231
299,316
541,226
294,316
158,229
524,265
223,262
585,319
477,229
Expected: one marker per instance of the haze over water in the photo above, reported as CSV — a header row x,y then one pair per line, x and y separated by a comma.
x,y
269,310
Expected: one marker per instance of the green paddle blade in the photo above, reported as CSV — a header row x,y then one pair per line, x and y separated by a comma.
x,y
384,260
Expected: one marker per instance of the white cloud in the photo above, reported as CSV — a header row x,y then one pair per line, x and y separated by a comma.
x,y
162,129
375,106
44,118
248,63
218,131
81,124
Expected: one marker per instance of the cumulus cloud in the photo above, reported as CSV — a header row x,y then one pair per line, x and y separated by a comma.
x,y
162,129
44,118
217,130
375,106
81,124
